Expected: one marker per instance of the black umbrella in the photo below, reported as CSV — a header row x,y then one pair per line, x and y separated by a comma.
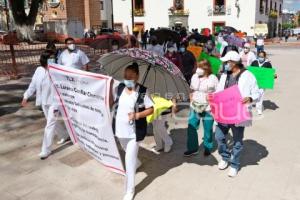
x,y
163,34
199,38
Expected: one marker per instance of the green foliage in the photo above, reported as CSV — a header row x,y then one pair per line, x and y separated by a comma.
x,y
288,26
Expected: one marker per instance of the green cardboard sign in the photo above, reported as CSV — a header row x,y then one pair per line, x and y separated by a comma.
x,y
264,76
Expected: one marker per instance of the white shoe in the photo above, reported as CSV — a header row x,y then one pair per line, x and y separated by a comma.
x,y
44,155
156,150
222,165
128,196
167,148
232,172
62,141
259,112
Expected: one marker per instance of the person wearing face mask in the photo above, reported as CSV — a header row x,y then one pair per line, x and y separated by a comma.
x,y
210,48
73,57
261,61
173,56
132,106
247,55
155,47
235,74
203,82
42,86
188,62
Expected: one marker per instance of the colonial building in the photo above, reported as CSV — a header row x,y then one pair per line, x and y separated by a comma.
x,y
64,18
240,14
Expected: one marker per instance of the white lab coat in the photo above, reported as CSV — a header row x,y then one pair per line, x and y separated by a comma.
x,y
43,88
248,88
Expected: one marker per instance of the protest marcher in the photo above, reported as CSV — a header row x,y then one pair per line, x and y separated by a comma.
x,y
133,105
235,74
145,37
155,47
51,48
170,43
261,61
203,82
247,55
162,139
188,62
43,88
173,56
73,57
260,44
210,48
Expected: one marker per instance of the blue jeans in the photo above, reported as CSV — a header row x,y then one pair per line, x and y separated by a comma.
x,y
259,49
238,134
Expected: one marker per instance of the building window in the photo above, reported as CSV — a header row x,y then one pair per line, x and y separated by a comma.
x,y
267,7
261,6
139,8
101,5
219,7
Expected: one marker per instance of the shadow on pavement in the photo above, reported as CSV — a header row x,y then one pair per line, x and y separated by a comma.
x,y
269,105
253,153
157,165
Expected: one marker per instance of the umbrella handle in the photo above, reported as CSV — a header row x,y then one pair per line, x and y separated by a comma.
x,y
146,74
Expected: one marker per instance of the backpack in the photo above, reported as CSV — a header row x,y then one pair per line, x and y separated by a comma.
x,y
140,124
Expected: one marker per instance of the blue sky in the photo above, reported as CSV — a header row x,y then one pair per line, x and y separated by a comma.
x,y
292,5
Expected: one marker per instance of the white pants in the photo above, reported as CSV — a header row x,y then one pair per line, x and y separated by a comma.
x,y
160,132
259,104
52,125
131,147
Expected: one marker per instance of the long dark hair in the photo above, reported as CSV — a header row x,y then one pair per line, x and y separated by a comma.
x,y
44,59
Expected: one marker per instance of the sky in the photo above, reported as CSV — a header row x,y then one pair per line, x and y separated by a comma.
x,y
291,5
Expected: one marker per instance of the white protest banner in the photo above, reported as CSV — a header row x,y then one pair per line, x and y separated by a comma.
x,y
84,97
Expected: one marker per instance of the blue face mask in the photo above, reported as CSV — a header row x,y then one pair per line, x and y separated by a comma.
x,y
51,60
227,67
129,83
182,49
261,60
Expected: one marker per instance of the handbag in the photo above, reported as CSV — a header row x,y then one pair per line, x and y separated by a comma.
x,y
201,105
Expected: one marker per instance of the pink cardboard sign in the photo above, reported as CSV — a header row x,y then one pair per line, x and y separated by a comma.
x,y
227,106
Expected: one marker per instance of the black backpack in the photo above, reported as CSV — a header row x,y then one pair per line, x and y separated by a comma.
x,y
140,124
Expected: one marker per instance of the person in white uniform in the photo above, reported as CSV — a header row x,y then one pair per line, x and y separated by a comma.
x,y
73,57
247,55
132,106
235,74
42,86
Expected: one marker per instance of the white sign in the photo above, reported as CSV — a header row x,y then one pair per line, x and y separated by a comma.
x,y
84,97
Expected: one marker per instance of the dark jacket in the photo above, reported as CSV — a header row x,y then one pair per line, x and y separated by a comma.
x,y
266,64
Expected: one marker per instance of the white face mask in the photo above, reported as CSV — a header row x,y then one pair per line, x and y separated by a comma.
x,y
71,47
200,72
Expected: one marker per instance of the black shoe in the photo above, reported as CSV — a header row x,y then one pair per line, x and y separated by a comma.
x,y
206,153
190,153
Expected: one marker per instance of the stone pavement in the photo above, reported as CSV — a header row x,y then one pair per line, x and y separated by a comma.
x,y
270,163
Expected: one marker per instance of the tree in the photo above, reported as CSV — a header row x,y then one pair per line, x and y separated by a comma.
x,y
24,22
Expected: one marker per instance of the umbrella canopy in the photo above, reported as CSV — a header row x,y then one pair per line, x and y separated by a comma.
x,y
106,41
163,77
228,29
163,34
198,38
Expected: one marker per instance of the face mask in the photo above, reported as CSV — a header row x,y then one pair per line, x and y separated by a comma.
x,y
246,50
51,60
182,49
71,47
227,67
261,60
129,83
199,72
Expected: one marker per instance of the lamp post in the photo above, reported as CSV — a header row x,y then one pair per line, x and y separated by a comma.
x,y
132,14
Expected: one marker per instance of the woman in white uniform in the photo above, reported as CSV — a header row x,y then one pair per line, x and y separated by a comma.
x,y
133,105
43,88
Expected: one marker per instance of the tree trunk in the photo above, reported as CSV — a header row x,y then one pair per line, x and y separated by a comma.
x,y
24,23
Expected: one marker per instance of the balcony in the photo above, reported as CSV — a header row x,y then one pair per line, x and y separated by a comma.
x,y
139,12
179,12
219,10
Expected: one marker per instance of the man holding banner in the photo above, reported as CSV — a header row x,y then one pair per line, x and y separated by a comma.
x,y
236,75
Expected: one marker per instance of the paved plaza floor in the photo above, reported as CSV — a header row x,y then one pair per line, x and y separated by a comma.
x,y
270,161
